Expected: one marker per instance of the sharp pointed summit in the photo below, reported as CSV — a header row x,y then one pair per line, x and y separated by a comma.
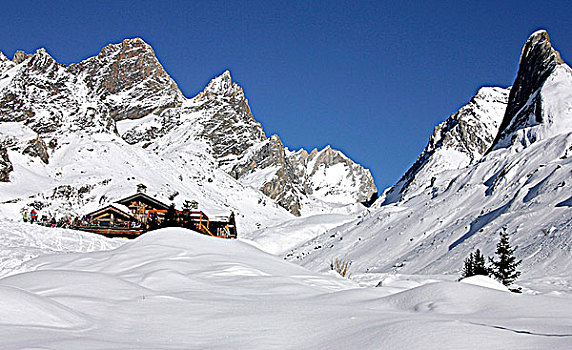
x,y
222,86
538,61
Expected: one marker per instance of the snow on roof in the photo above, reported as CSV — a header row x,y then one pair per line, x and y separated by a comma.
x,y
218,214
122,208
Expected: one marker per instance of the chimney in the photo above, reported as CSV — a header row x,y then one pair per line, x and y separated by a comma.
x,y
141,188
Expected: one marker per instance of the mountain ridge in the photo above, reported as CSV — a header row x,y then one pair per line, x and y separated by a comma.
x,y
125,91
432,219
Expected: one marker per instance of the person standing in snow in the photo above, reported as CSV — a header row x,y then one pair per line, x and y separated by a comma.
x,y
33,216
25,216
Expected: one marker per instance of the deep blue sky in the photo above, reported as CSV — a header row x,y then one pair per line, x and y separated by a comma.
x,y
370,78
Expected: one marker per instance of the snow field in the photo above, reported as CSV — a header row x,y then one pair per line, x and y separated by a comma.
x,y
174,289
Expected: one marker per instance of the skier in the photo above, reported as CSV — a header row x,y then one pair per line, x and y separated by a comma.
x,y
25,216
33,216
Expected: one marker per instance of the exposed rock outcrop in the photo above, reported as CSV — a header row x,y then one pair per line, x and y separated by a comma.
x,y
5,165
537,62
129,79
230,127
459,141
38,148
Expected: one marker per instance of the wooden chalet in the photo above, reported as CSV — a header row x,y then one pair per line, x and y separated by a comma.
x,y
112,215
139,213
143,206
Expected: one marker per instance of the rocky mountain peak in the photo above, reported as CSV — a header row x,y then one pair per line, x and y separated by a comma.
x,y
129,78
5,63
128,48
19,57
538,61
222,86
459,141
43,61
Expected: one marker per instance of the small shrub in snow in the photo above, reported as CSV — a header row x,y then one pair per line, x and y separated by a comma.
x,y
341,266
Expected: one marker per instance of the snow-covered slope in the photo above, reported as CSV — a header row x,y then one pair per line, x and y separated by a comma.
x,y
21,242
88,171
523,184
458,142
175,289
117,118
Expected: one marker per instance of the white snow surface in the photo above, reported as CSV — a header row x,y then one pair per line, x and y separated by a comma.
x,y
176,289
523,187
90,171
21,242
485,281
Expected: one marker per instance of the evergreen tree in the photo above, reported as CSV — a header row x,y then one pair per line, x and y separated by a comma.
x,y
504,269
479,264
475,264
188,206
170,217
469,267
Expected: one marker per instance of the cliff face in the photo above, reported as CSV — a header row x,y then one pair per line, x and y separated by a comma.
x,y
129,79
538,62
125,91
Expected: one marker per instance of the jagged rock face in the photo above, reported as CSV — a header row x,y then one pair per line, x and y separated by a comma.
x,y
459,141
537,62
19,57
268,154
46,97
229,127
281,185
5,165
129,79
38,148
326,175
124,90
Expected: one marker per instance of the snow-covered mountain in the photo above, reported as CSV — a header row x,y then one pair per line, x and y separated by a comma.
x,y
458,142
493,164
76,137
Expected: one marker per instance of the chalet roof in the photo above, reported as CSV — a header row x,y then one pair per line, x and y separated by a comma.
x,y
219,214
114,207
121,207
144,198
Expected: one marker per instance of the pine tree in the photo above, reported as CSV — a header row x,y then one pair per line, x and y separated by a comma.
x,y
475,264
504,269
469,267
188,206
170,217
479,264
